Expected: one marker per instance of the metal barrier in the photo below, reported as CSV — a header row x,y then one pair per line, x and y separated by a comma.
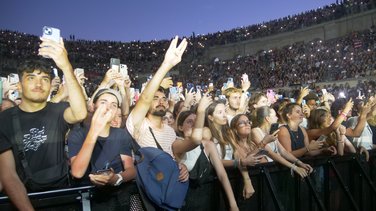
x,y
338,183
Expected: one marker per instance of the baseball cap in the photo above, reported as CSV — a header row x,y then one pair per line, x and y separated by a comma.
x,y
108,91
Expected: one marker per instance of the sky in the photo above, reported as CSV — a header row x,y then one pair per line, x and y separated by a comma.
x,y
144,20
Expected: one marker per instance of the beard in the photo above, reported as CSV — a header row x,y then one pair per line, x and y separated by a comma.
x,y
159,113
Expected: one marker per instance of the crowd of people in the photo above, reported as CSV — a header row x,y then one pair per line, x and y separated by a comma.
x,y
290,23
206,134
206,118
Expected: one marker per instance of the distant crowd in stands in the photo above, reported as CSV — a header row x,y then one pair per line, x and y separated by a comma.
x,y
289,23
346,57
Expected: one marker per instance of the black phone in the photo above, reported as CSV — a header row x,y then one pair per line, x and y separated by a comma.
x,y
262,152
274,127
103,171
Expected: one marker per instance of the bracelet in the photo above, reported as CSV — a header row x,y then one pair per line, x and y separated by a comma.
x,y
296,161
307,148
344,115
293,168
235,164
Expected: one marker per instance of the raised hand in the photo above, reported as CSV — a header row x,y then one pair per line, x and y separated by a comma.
x,y
101,117
56,51
348,106
205,101
174,52
304,91
167,83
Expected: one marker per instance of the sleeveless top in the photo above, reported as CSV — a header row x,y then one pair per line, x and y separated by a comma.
x,y
296,137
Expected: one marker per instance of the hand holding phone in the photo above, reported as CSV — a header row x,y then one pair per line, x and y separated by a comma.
x,y
103,172
274,127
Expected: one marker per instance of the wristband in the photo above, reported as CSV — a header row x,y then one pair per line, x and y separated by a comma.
x,y
293,168
235,164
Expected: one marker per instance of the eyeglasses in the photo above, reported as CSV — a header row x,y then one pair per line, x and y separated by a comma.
x,y
243,123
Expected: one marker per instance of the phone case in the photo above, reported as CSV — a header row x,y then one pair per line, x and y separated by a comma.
x,y
51,33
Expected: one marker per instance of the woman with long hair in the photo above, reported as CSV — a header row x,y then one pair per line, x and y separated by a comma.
x,y
265,117
321,124
203,163
218,131
294,138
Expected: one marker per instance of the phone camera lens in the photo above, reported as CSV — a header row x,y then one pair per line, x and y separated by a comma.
x,y
47,31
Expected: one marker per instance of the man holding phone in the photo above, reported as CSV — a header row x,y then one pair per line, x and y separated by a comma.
x,y
41,128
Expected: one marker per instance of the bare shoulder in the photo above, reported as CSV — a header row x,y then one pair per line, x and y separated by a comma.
x,y
206,134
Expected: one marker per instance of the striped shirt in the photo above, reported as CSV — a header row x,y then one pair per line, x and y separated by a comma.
x,y
165,136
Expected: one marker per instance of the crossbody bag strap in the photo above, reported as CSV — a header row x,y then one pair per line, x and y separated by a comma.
x,y
18,141
156,142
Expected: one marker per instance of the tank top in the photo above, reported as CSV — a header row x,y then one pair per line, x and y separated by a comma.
x,y
296,137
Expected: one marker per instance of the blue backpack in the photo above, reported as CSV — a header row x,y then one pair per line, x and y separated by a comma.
x,y
158,178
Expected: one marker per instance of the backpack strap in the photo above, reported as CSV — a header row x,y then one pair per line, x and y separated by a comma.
x,y
156,142
18,141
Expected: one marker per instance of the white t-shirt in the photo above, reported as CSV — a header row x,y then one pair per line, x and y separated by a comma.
x,y
365,138
165,136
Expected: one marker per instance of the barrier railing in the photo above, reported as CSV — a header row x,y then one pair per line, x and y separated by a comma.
x,y
337,183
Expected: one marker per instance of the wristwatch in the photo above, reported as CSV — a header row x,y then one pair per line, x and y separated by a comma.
x,y
119,181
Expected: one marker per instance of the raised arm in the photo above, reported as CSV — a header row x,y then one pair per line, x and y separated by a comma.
x,y
189,143
357,131
80,162
172,58
315,133
77,110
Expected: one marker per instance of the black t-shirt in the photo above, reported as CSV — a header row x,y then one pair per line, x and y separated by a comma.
x,y
107,150
43,134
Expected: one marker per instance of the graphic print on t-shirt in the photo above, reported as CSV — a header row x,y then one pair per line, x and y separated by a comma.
x,y
34,139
